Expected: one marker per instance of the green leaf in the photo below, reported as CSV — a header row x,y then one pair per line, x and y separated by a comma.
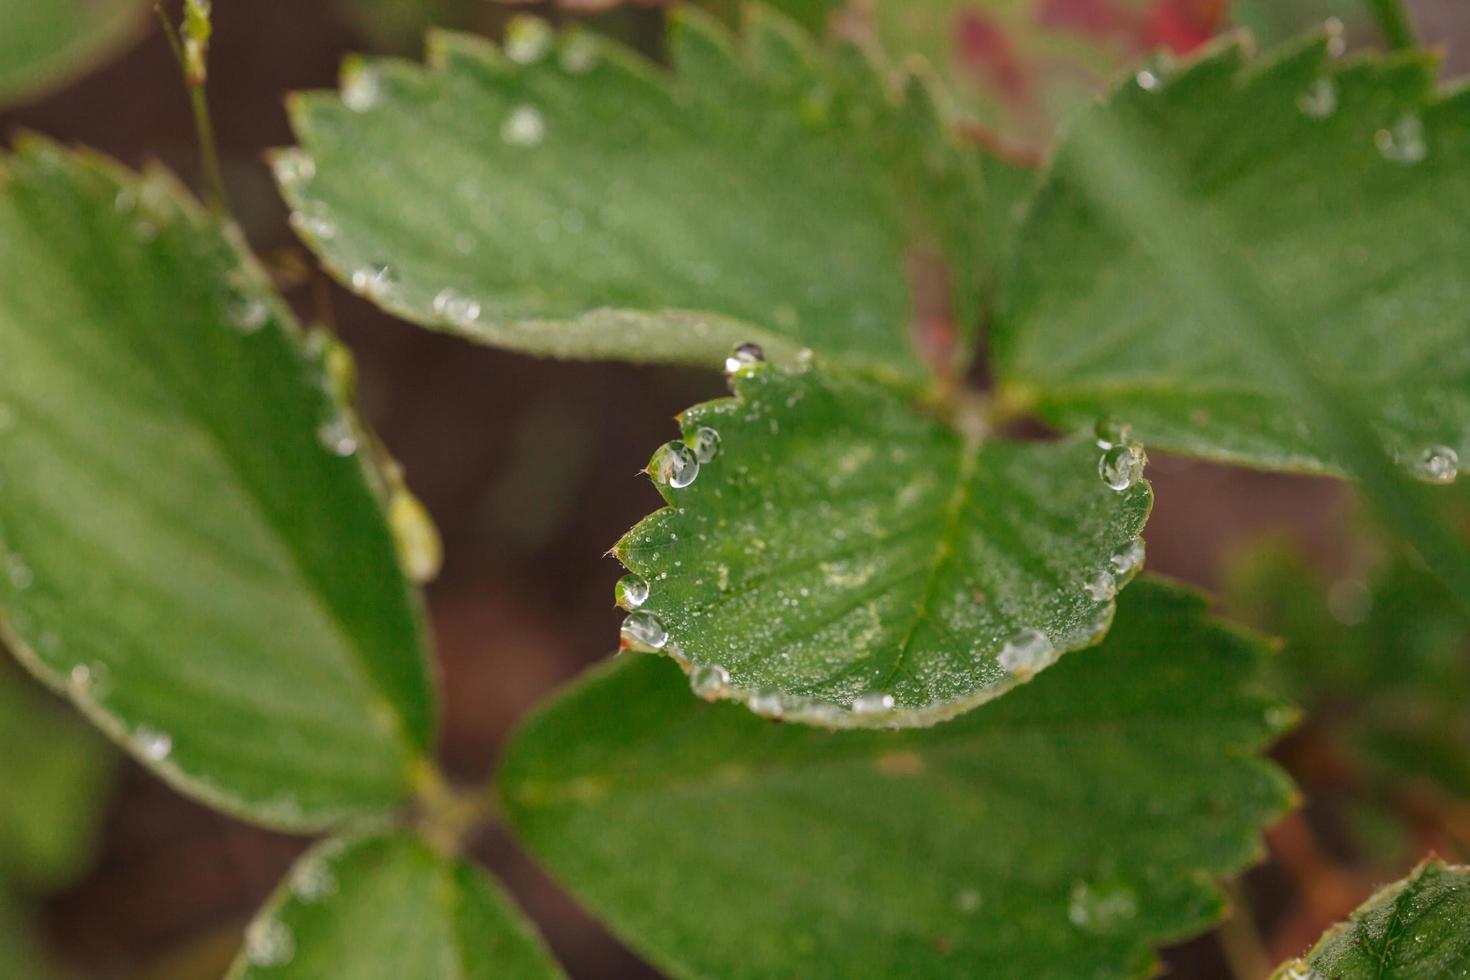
x,y
191,548
1333,190
387,907
1061,832
56,777
1414,929
841,548
566,197
45,45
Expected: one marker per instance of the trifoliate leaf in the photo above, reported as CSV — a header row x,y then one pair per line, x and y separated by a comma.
x,y
1336,189
191,548
45,45
829,554
1060,832
387,907
54,778
1414,929
563,196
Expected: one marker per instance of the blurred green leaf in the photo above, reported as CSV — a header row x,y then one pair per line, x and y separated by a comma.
x,y
1331,190
192,551
1381,662
1414,929
1061,832
55,775
388,908
567,197
845,560
45,45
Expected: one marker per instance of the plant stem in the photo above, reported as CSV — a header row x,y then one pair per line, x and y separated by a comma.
x,y
446,815
1395,23
1240,940
195,79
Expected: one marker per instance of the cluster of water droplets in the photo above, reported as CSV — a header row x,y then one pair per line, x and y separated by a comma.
x,y
456,308
1101,906
314,880
744,361
1319,100
1403,141
362,88
1120,569
642,631
709,681
1123,459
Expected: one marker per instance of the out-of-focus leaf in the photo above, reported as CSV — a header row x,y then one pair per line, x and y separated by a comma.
x,y
1060,832
566,197
1414,929
44,45
1259,159
389,908
843,559
55,774
1381,663
192,550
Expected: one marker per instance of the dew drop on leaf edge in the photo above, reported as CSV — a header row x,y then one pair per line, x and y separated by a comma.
x,y
675,465
528,39
744,359
1121,467
872,703
643,631
631,591
709,681
269,943
153,745
1026,652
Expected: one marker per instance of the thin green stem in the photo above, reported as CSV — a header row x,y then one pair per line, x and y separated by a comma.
x,y
1395,23
1240,941
446,815
194,80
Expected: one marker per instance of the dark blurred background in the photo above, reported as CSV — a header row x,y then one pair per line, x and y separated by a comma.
x,y
531,469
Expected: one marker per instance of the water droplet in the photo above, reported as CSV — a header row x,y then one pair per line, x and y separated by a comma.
x,y
314,881
1122,466
527,39
362,89
631,591
269,942
1112,432
1026,652
968,900
744,359
1148,81
579,54
88,680
768,703
674,465
872,703
1320,100
643,631
706,444
1130,559
1102,587
374,282
456,308
153,745
1101,907
1403,142
1438,464
19,572
709,681
247,313
525,126
338,436
314,224
420,549
294,166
